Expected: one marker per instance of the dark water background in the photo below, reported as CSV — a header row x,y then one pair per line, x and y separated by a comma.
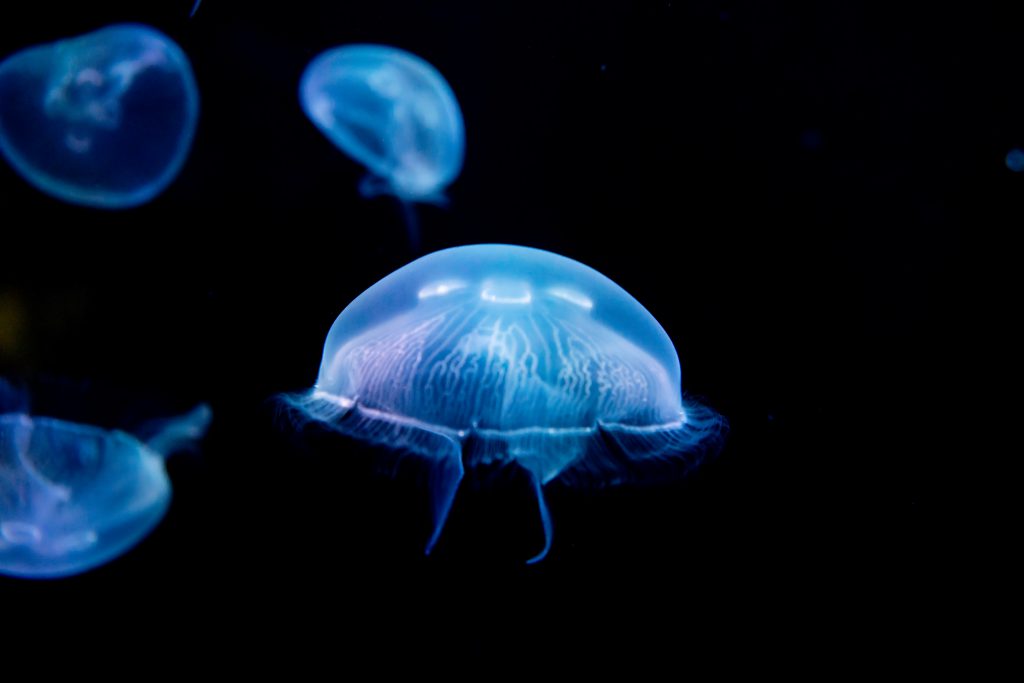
x,y
794,190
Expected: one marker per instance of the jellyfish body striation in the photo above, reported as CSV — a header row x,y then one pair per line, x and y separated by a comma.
x,y
390,111
105,119
75,496
495,354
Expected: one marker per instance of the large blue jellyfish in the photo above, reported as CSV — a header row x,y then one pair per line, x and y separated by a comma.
x,y
105,119
495,354
74,496
392,112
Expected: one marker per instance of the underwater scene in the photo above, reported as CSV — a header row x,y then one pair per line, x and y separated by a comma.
x,y
493,331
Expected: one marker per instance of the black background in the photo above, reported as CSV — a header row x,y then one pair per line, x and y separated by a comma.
x,y
792,189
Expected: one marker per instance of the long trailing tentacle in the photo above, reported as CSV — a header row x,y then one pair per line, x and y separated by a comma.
x,y
445,476
545,519
412,224
438,448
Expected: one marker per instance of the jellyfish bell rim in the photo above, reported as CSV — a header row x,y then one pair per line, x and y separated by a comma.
x,y
610,301
75,563
314,76
107,199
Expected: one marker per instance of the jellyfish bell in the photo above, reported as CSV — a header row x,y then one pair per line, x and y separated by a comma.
x,y
105,119
392,112
502,354
74,496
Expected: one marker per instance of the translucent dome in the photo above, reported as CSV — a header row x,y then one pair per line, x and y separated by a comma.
x,y
392,112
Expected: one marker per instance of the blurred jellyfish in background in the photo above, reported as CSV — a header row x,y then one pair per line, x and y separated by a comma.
x,y
495,355
1015,160
392,112
105,119
74,496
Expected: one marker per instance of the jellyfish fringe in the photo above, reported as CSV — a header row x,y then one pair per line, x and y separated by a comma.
x,y
606,454
598,456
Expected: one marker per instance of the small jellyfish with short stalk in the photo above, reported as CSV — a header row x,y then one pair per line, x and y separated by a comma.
x,y
105,119
489,356
74,496
392,112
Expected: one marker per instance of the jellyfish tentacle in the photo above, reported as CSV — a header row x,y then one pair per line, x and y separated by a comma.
x,y
412,223
178,433
440,449
446,475
373,185
545,519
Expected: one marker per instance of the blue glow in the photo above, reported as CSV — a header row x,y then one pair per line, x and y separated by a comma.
x,y
393,113
1015,160
74,496
105,119
495,354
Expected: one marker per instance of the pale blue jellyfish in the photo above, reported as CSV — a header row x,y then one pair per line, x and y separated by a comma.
x,y
105,119
74,496
393,113
495,354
